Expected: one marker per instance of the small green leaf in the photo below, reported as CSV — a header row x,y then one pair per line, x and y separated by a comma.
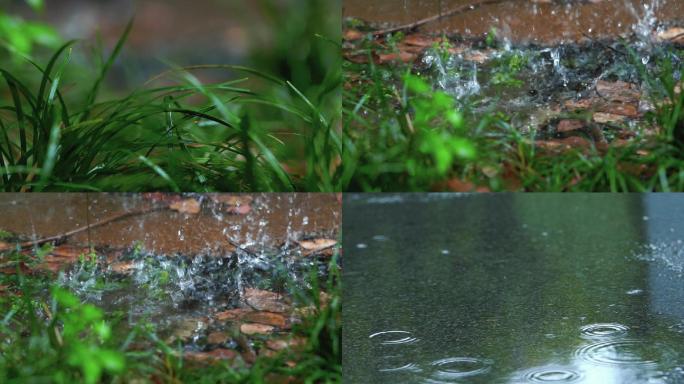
x,y
463,148
112,361
416,84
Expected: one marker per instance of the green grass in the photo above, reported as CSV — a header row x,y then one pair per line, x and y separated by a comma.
x,y
401,134
259,131
50,336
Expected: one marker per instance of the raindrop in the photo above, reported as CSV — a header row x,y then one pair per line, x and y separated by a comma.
x,y
635,292
361,246
445,251
380,238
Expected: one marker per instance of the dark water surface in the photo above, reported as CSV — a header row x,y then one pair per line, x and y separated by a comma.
x,y
522,20
518,288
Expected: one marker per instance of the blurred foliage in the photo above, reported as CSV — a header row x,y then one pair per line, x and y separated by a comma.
x,y
306,48
277,128
19,36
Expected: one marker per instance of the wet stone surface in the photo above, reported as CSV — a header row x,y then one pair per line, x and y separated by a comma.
x,y
576,76
592,90
228,296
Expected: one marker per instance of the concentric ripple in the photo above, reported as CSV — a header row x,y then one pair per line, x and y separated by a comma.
x,y
458,367
394,337
603,330
397,363
625,352
408,367
552,375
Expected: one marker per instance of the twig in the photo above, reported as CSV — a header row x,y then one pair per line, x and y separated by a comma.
x,y
63,236
449,13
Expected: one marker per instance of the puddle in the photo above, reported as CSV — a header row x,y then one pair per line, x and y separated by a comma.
x,y
522,296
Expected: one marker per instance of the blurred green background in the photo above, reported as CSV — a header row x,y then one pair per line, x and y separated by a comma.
x,y
296,41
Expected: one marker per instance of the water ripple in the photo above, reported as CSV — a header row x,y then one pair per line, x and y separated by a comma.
x,y
603,330
394,337
453,368
625,352
552,375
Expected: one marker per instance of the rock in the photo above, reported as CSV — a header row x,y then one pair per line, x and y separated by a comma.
x,y
479,57
569,125
187,329
232,314
256,329
316,244
458,185
262,300
420,40
187,206
574,105
303,312
124,267
280,344
353,34
268,318
236,204
674,35
218,338
627,110
405,57
211,357
562,145
618,91
603,118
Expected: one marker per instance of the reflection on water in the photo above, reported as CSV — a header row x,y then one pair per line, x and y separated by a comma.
x,y
523,20
513,289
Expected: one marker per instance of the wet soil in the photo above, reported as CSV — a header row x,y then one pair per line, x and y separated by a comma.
x,y
521,21
274,219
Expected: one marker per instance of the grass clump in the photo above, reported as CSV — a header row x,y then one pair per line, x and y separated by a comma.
x,y
50,335
406,131
254,132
